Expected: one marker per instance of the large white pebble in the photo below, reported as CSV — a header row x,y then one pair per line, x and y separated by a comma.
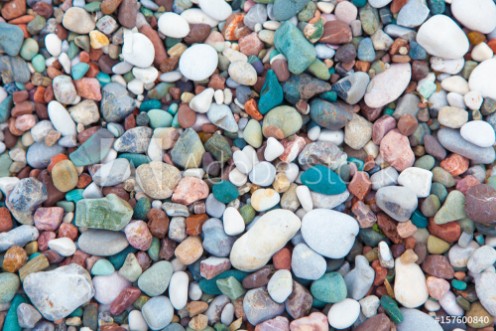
x,y
217,9
138,50
173,25
136,321
63,246
440,36
198,62
53,44
388,85
280,285
410,288
479,133
343,314
271,232
483,79
479,15
418,180
178,289
329,232
60,118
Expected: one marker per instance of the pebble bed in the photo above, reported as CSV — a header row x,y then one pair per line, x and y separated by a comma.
x,y
260,165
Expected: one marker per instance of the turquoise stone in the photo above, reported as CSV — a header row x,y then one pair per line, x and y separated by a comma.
x,y
299,52
102,267
419,220
11,322
230,287
135,159
9,284
271,94
391,308
118,259
209,286
330,288
92,7
458,285
38,62
150,104
225,191
77,313
94,149
153,251
11,38
29,49
103,78
141,209
159,118
322,179
109,213
5,107
370,237
79,70
74,195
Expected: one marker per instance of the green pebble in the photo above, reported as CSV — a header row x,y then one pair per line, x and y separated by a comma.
x,y
154,249
491,181
159,91
220,327
458,285
467,225
225,191
439,190
138,304
77,313
439,175
150,104
36,25
219,147
252,133
209,286
271,94
322,179
131,269
73,50
9,284
108,213
330,288
68,206
230,287
319,70
370,237
141,209
248,213
426,162
430,205
453,208
135,159
79,70
102,267
330,96
159,118
29,49
11,322
92,7
391,308
74,195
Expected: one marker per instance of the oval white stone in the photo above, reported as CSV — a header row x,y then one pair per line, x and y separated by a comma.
x,y
479,15
60,118
198,62
173,25
138,50
483,79
479,133
388,85
343,314
217,9
409,286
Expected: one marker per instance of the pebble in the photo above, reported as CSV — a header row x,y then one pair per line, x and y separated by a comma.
x,y
397,201
178,289
479,133
417,180
281,224
63,246
10,284
28,316
414,319
409,286
137,50
482,76
280,285
453,141
101,242
338,229
343,314
479,204
198,62
158,312
217,9
78,20
259,306
19,236
477,15
173,25
148,174
58,292
25,197
12,38
437,29
388,85
306,263
360,279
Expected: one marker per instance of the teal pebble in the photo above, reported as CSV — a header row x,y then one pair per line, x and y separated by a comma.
x,y
5,107
153,251
458,285
102,267
209,286
74,195
38,62
77,313
150,104
322,179
135,159
159,118
419,220
330,288
439,190
29,49
359,163
318,304
118,259
11,322
271,94
141,209
330,96
103,78
391,308
225,191
79,70
359,3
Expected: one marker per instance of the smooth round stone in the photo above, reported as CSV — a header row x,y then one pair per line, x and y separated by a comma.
x,y
384,177
219,10
136,321
202,101
9,284
63,246
479,133
102,243
479,204
453,141
280,285
78,20
243,73
155,280
357,132
178,289
418,180
343,314
387,86
452,117
233,222
397,201
379,3
86,112
28,316
198,62
414,13
482,258
252,133
64,176
138,50
102,267
29,49
215,240
271,232
323,180
352,88
149,174
108,288
258,306
306,263
264,199
478,15
65,91
329,233
53,44
330,288
483,77
414,320
263,174
434,34
281,122
409,285
173,25
158,312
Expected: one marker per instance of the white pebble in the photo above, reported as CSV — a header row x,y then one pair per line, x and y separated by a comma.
x,y
233,222
305,198
173,25
53,44
273,150
63,246
178,289
343,314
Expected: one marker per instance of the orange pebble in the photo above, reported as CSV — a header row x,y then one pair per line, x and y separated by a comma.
x,y
24,29
251,109
492,43
282,259
83,181
84,57
22,20
56,159
38,94
460,275
93,70
455,164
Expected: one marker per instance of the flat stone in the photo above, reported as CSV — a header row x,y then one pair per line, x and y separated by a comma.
x,y
155,280
78,20
454,142
11,38
109,213
414,319
333,116
26,196
101,242
343,314
388,85
158,179
198,62
158,312
396,201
